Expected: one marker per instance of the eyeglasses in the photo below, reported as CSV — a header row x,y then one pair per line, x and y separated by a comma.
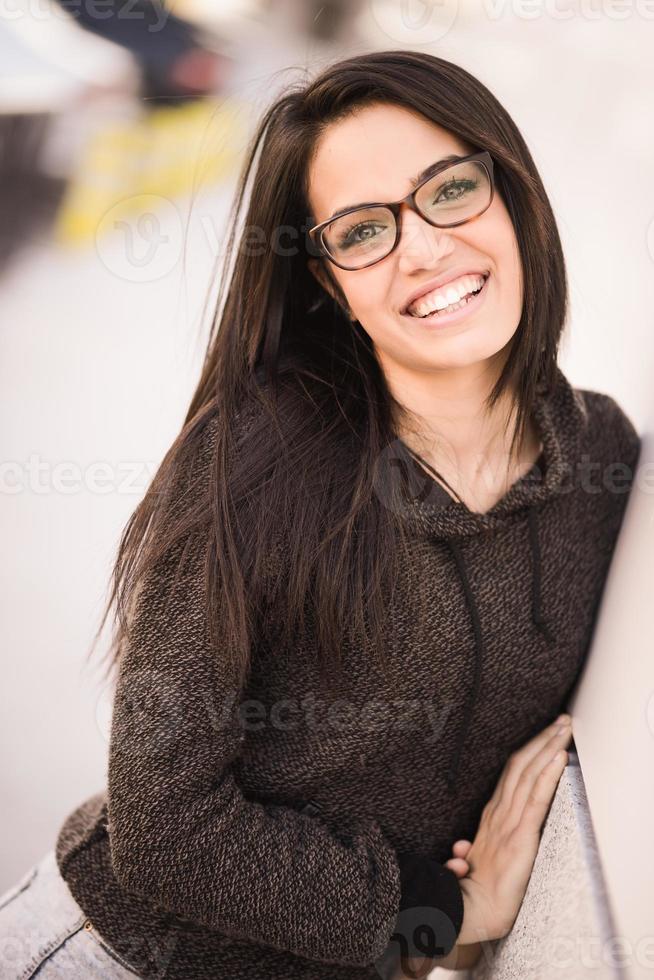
x,y
450,195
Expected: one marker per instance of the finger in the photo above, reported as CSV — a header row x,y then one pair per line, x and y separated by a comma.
x,y
458,866
541,794
531,773
521,758
461,847
535,745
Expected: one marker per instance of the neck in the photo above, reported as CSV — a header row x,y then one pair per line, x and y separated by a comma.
x,y
446,422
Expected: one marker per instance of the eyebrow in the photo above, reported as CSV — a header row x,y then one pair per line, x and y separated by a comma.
x,y
414,181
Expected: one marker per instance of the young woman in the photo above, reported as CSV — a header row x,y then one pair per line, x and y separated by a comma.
x,y
363,583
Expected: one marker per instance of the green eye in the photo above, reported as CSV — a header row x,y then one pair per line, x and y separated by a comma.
x,y
349,237
454,190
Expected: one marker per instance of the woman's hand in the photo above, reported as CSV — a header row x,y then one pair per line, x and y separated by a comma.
x,y
494,869
502,855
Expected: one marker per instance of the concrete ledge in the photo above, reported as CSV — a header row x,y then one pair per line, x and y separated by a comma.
x,y
564,927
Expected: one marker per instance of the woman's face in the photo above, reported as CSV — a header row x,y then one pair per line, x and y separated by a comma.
x,y
371,156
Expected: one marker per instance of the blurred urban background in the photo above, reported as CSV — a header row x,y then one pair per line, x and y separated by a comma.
x,y
122,130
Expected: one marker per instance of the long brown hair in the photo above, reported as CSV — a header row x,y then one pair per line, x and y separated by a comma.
x,y
299,481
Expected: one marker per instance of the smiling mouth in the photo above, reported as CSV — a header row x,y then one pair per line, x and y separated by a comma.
x,y
451,308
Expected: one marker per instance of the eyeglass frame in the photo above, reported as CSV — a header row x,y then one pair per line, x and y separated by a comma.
x,y
316,233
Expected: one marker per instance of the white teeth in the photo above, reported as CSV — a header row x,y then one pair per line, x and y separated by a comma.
x,y
440,298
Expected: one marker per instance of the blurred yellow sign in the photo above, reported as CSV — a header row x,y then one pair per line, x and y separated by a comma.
x,y
168,151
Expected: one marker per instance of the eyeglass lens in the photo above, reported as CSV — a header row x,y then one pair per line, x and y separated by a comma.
x,y
452,196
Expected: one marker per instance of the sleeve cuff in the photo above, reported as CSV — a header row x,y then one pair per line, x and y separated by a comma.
x,y
430,913
425,882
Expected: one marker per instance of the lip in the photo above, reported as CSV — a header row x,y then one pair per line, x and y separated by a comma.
x,y
436,321
442,280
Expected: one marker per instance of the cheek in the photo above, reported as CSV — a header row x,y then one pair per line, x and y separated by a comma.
x,y
368,293
502,247
508,253
512,252
515,283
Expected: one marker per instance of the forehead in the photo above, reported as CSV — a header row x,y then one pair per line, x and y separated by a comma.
x,y
372,156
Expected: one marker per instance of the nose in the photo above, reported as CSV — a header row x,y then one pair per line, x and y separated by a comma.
x,y
421,245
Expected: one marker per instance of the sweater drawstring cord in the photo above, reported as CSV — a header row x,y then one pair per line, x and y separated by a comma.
x,y
536,615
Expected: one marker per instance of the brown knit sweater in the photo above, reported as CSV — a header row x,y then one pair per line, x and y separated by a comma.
x,y
294,839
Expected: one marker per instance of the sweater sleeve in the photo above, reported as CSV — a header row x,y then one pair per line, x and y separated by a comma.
x,y
183,834
617,445
629,441
620,439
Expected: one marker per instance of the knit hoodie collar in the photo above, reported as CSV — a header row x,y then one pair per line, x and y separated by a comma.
x,y
560,417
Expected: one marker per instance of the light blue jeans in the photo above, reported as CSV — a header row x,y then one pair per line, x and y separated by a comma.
x,y
44,932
